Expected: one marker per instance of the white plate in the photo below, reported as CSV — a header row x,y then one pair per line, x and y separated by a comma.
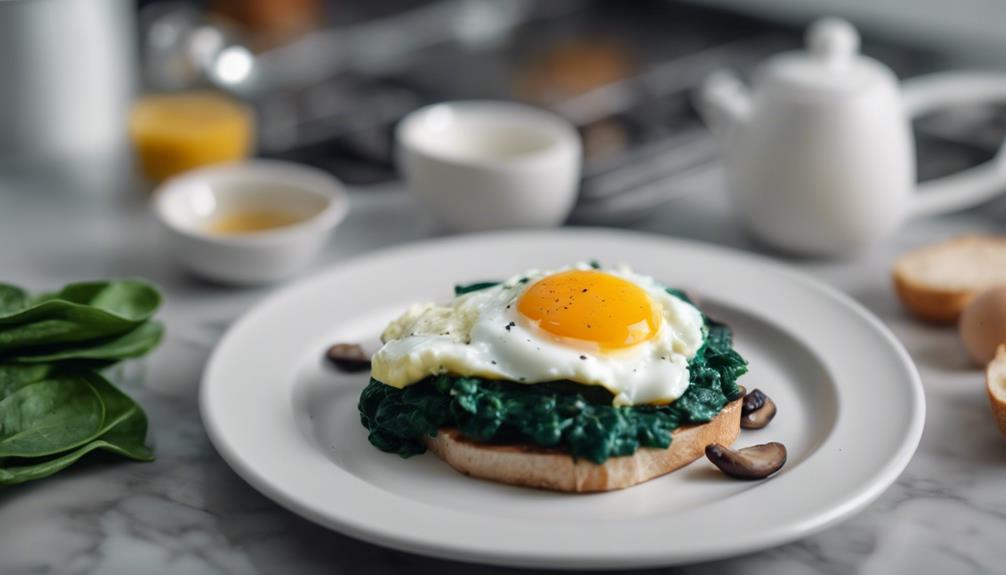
x,y
850,411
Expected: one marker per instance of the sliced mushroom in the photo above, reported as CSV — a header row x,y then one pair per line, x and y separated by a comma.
x,y
348,357
758,409
755,462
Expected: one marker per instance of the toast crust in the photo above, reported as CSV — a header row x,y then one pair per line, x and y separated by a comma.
x,y
933,305
940,304
543,468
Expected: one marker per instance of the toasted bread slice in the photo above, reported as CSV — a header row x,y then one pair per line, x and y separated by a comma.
x,y
995,384
935,283
552,469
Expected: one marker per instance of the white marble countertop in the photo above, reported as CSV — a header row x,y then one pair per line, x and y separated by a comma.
x,y
188,513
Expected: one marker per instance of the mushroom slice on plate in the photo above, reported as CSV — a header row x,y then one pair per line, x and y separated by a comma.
x,y
348,357
757,411
755,462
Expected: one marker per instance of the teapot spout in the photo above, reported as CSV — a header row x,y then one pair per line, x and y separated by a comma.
x,y
724,103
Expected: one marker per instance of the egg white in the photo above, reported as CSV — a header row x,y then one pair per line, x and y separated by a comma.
x,y
482,334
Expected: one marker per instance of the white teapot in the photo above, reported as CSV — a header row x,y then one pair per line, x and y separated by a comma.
x,y
819,155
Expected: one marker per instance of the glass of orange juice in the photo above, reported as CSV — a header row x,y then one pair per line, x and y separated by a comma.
x,y
174,133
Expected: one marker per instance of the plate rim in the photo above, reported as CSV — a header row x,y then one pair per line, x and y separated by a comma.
x,y
863,496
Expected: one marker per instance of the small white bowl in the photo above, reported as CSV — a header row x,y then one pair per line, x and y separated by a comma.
x,y
481,165
188,204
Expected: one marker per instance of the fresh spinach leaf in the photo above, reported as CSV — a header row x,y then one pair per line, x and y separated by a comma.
x,y
50,416
126,439
79,312
60,412
54,408
134,343
14,376
132,300
12,299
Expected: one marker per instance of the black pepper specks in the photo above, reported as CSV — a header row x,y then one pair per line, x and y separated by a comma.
x,y
583,357
509,325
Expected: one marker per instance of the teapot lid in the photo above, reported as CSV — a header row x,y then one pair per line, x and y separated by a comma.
x,y
831,66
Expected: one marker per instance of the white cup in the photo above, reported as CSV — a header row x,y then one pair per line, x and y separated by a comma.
x,y
480,165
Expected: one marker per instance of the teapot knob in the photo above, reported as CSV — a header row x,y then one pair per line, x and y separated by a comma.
x,y
833,41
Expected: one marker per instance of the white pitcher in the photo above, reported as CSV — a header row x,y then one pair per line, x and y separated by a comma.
x,y
819,155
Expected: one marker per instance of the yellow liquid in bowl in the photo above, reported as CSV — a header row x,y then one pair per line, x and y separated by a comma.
x,y
250,222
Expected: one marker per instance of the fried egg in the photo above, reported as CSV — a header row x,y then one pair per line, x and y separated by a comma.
x,y
611,328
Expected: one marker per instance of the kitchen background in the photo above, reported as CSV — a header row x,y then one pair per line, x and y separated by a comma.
x,y
329,80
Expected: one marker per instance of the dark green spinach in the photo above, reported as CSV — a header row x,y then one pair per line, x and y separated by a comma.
x,y
79,312
125,438
462,289
575,418
54,408
49,416
135,343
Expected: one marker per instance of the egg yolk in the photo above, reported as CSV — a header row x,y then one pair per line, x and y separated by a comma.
x,y
591,306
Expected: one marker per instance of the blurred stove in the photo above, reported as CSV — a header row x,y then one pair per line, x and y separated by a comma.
x,y
622,72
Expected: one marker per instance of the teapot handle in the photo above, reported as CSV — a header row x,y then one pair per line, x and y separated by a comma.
x,y
972,186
